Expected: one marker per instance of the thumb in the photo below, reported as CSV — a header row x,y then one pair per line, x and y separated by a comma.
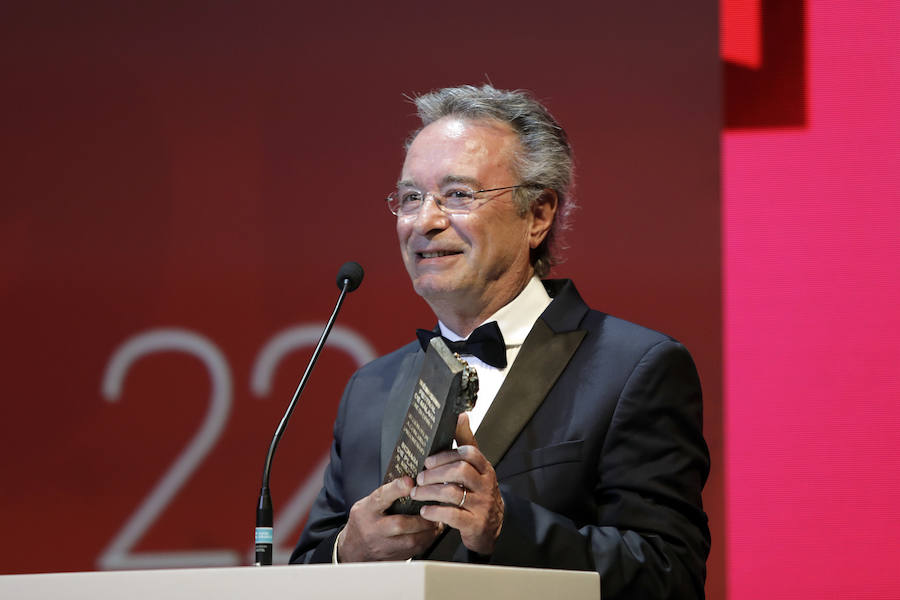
x,y
464,435
385,495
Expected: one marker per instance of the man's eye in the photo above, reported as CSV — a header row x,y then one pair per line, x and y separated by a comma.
x,y
410,198
459,197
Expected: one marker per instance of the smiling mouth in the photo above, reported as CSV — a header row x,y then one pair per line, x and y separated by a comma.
x,y
436,254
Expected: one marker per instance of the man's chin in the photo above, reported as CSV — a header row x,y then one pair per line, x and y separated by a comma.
x,y
435,288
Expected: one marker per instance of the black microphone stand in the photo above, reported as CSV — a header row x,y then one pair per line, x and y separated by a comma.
x,y
349,279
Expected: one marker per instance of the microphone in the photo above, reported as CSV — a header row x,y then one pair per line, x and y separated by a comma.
x,y
349,277
352,273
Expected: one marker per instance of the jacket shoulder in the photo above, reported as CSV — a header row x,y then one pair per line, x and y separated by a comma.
x,y
390,360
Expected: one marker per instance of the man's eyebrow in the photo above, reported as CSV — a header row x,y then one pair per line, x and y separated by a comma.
x,y
447,179
470,181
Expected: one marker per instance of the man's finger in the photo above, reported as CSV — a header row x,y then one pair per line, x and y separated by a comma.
x,y
468,454
460,473
464,435
443,458
386,494
406,525
450,515
446,493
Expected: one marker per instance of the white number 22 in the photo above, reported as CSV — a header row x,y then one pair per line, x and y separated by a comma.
x,y
119,553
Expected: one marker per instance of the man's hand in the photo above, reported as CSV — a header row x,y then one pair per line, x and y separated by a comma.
x,y
465,481
372,535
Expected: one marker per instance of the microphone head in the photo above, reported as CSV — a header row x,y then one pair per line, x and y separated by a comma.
x,y
350,271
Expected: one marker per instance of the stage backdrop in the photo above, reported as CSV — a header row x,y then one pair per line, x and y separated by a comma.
x,y
181,182
811,238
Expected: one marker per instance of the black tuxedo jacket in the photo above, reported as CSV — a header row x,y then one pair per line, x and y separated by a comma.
x,y
596,440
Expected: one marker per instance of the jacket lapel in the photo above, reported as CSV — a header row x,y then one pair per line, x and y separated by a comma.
x,y
544,355
397,404
540,362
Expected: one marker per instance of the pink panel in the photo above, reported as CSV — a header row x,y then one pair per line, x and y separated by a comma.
x,y
812,326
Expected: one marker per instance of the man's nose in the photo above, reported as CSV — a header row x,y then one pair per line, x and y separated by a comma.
x,y
430,216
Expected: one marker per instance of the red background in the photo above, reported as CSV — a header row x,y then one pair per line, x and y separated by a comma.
x,y
209,167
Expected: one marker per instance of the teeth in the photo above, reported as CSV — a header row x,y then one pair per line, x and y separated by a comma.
x,y
435,254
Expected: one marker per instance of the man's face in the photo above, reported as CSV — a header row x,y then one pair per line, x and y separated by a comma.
x,y
465,261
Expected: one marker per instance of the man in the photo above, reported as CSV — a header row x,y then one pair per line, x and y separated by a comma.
x,y
589,453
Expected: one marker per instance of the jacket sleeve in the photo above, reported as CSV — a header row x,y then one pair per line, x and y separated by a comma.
x,y
330,512
647,534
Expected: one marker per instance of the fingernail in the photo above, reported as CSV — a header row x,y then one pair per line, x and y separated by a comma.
x,y
412,493
420,479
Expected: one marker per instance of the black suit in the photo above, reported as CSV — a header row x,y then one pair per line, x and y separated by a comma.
x,y
596,440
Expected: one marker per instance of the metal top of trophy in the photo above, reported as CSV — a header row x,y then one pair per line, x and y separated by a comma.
x,y
468,393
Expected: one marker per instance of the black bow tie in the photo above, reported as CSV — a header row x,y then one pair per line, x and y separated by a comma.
x,y
486,343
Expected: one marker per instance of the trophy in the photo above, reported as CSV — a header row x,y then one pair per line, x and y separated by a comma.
x,y
446,387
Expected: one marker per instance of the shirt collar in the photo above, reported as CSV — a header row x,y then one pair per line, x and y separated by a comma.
x,y
516,318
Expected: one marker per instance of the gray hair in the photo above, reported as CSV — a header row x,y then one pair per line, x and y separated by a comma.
x,y
545,160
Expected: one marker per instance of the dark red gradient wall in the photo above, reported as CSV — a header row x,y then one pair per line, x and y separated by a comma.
x,y
180,184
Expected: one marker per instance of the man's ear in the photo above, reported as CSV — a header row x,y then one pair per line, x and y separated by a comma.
x,y
543,211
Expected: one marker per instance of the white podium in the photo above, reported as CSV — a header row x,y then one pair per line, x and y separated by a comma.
x,y
370,581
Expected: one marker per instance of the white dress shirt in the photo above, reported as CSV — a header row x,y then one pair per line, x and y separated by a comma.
x,y
515,321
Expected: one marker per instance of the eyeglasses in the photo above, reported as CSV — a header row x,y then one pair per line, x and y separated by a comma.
x,y
454,200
